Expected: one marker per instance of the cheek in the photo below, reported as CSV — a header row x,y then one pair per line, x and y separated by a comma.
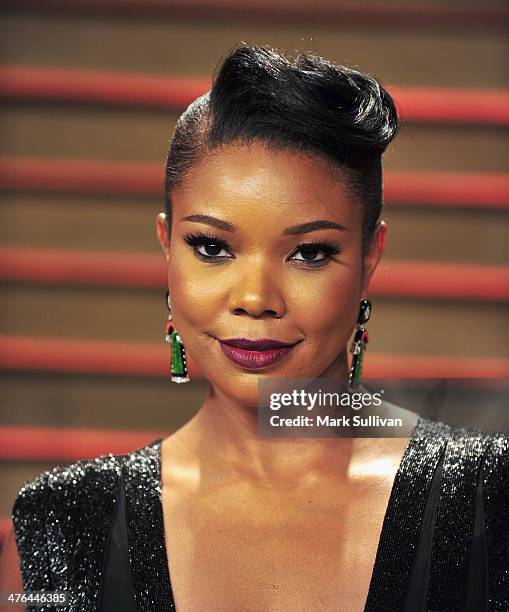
x,y
326,306
196,290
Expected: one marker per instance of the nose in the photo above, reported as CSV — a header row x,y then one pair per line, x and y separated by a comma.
x,y
257,291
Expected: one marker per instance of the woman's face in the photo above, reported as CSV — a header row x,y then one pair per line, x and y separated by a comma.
x,y
265,245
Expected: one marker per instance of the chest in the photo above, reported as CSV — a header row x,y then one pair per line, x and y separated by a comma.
x,y
250,552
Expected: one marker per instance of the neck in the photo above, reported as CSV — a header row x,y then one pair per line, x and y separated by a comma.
x,y
223,436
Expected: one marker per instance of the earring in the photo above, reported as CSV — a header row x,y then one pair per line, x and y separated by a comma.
x,y
178,366
359,344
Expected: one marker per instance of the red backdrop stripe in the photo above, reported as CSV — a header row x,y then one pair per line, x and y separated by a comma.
x,y
419,279
133,179
102,357
418,104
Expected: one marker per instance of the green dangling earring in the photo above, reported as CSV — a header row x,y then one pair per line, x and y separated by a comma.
x,y
178,366
359,344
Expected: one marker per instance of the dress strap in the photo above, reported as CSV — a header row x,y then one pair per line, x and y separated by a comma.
x,y
145,529
495,483
404,516
455,520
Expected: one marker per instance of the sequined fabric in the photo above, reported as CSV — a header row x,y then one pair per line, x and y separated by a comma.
x,y
146,531
62,520
470,457
403,518
454,523
495,479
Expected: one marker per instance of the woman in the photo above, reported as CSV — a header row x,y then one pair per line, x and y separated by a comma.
x,y
271,233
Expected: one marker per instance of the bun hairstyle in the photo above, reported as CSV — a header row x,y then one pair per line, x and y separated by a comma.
x,y
307,104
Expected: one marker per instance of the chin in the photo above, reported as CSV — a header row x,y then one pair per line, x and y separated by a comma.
x,y
241,389
244,389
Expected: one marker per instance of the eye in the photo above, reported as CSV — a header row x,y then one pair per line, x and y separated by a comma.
x,y
315,253
208,247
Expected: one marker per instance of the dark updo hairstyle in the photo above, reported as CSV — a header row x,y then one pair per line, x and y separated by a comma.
x,y
306,104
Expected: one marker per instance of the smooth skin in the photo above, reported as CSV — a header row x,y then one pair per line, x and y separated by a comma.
x,y
269,524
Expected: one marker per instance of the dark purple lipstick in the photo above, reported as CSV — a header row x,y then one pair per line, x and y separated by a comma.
x,y
254,354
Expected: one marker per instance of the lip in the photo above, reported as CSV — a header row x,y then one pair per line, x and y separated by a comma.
x,y
255,354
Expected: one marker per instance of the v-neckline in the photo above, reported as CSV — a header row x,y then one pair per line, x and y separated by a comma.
x,y
392,566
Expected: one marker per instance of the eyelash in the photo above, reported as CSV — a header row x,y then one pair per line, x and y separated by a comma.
x,y
201,238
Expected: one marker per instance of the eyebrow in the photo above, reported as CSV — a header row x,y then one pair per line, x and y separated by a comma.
x,y
208,220
311,226
302,228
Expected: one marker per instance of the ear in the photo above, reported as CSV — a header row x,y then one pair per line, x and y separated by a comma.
x,y
374,254
162,234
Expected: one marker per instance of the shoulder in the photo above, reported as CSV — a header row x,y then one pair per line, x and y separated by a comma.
x,y
63,514
85,481
67,483
62,519
485,452
495,441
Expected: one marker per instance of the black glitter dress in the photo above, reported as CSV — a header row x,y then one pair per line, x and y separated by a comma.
x,y
95,529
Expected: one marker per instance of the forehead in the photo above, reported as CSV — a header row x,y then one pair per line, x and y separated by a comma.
x,y
252,181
